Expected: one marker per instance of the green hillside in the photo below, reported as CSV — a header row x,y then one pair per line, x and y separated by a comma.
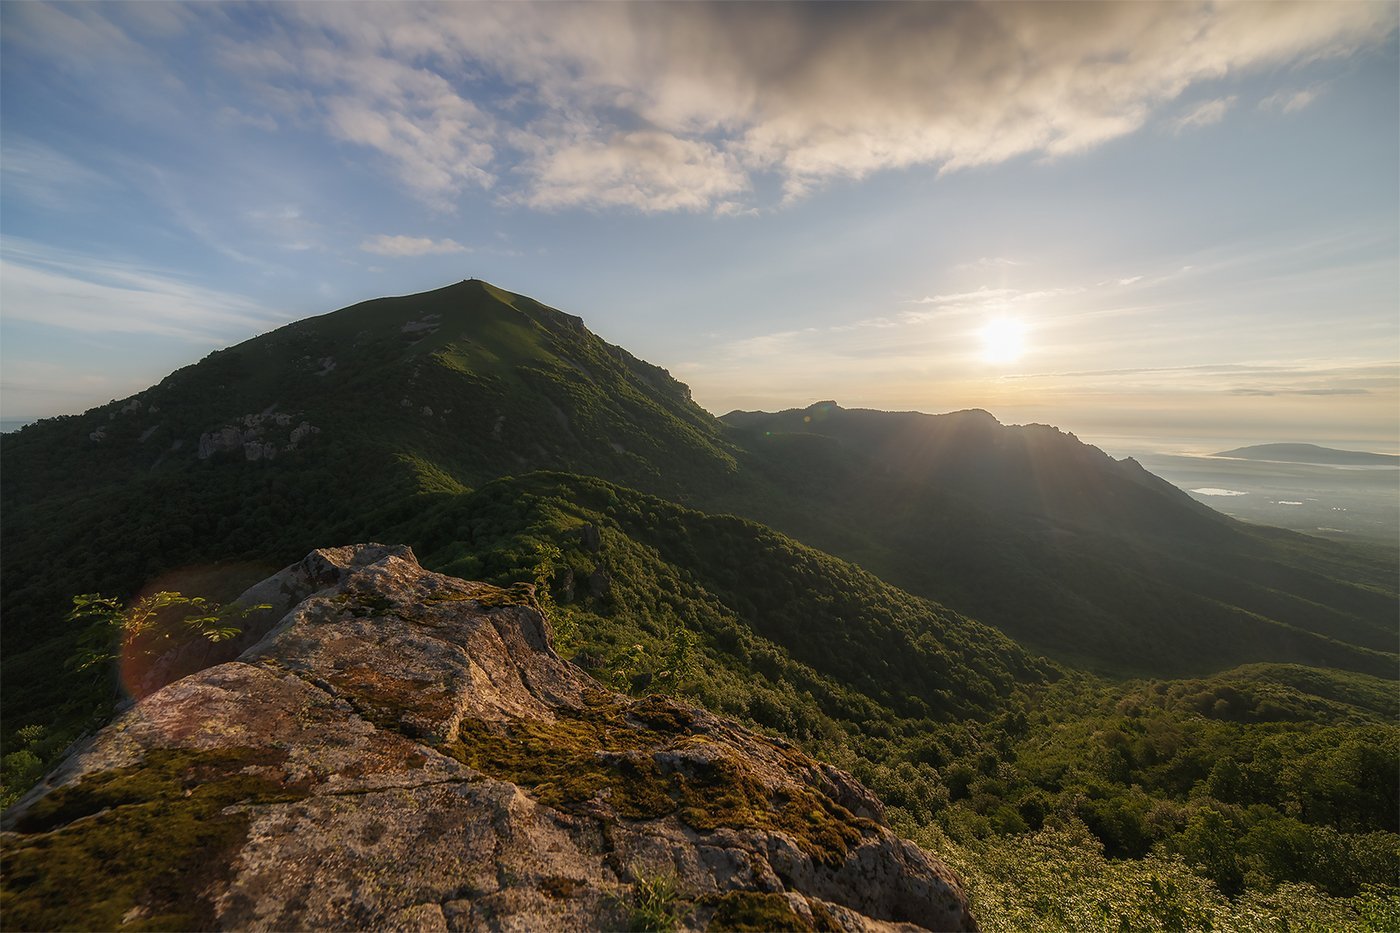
x,y
953,725
324,430
505,442
303,435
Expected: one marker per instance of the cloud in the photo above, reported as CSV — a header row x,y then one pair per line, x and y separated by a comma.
x,y
1319,378
1272,392
232,116
981,296
764,345
286,226
1290,101
714,107
48,178
384,245
91,295
983,300
987,262
645,170
1331,391
1203,114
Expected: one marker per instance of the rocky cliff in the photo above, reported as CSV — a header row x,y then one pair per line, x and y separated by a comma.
x,y
405,750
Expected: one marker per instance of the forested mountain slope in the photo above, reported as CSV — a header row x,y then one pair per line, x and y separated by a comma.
x,y
1091,560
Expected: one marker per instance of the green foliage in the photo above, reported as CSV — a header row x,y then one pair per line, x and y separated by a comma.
x,y
107,634
151,626
656,905
1058,879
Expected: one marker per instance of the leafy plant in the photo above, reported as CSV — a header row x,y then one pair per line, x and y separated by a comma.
x,y
151,626
655,906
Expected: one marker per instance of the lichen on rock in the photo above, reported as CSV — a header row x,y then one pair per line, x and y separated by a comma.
x,y
401,749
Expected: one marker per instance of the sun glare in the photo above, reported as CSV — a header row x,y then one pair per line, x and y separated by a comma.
x,y
1003,340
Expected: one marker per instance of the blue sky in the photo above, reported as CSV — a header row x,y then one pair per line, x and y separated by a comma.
x,y
1172,220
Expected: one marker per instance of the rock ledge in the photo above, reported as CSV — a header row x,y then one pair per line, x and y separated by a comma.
x,y
405,750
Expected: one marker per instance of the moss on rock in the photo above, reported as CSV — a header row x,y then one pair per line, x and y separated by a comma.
x,y
742,911
631,756
136,848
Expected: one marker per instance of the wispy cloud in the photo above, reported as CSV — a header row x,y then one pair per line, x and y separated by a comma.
x,y
82,293
1269,379
1272,392
1291,101
986,263
49,178
1205,113
385,245
984,300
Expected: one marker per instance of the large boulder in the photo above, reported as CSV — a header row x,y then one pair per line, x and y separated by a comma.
x,y
405,750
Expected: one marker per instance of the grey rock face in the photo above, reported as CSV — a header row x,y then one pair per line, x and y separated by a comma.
x,y
222,440
403,750
256,438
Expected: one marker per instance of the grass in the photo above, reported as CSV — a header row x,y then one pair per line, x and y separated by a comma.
x,y
656,905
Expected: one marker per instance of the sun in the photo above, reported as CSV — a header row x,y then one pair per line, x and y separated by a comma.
x,y
1003,340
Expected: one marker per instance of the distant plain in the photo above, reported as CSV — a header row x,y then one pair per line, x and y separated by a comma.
x,y
1339,502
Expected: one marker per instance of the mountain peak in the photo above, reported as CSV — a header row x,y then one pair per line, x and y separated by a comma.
x,y
406,749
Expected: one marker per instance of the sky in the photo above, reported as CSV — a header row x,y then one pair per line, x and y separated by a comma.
x,y
1177,220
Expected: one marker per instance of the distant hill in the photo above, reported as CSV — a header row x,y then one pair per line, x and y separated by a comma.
x,y
1310,453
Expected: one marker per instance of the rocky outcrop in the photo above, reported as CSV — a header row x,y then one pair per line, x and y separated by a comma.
x,y
405,750
257,436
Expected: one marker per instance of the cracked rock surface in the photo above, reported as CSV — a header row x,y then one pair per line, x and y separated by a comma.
x,y
405,750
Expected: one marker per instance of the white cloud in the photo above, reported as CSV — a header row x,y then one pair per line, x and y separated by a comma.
x,y
986,263
83,293
384,245
983,295
48,178
983,300
698,107
1290,101
812,93
645,170
1205,113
